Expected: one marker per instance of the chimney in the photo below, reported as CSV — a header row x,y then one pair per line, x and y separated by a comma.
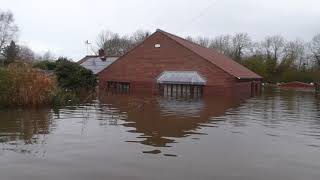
x,y
102,55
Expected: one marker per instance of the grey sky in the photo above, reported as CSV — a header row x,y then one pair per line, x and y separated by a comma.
x,y
62,26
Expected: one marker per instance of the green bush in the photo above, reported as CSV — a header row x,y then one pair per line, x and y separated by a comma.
x,y
256,64
285,71
45,65
65,98
72,76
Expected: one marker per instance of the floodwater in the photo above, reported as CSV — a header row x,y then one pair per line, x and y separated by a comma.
x,y
273,136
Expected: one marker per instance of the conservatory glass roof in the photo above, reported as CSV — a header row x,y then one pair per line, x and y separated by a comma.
x,y
181,77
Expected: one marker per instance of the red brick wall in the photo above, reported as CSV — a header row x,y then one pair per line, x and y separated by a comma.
x,y
144,64
237,89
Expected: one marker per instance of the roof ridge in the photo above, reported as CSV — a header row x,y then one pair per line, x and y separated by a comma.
x,y
169,34
159,30
185,43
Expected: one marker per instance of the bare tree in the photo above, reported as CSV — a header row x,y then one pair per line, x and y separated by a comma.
x,y
314,47
139,36
8,29
103,37
273,46
189,38
113,44
116,45
295,51
47,56
26,54
222,44
233,46
240,43
203,41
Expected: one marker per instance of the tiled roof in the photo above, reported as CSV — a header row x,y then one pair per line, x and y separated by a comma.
x,y
85,58
223,62
95,64
181,77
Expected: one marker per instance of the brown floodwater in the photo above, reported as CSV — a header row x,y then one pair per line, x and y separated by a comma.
x,y
273,136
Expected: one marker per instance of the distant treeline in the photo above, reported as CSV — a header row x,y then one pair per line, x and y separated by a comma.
x,y
116,45
274,58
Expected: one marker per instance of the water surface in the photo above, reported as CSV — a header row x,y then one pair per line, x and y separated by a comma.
x,y
273,136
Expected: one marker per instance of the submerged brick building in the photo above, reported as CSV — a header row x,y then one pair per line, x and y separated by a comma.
x,y
165,64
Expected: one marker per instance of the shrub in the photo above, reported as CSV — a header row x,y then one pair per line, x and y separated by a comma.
x,y
256,64
65,98
46,65
72,76
24,85
5,86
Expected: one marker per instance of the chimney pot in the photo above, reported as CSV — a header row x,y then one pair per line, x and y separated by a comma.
x,y
102,55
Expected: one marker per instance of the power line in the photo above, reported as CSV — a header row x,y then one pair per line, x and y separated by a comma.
x,y
202,13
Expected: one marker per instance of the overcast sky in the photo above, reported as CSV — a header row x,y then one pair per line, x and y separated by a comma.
x,y
62,26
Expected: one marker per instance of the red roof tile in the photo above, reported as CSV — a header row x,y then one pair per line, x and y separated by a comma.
x,y
223,62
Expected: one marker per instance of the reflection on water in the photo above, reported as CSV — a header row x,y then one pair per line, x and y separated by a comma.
x,y
160,121
180,107
19,128
274,136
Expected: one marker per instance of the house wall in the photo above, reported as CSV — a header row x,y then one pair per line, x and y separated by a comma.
x,y
141,67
